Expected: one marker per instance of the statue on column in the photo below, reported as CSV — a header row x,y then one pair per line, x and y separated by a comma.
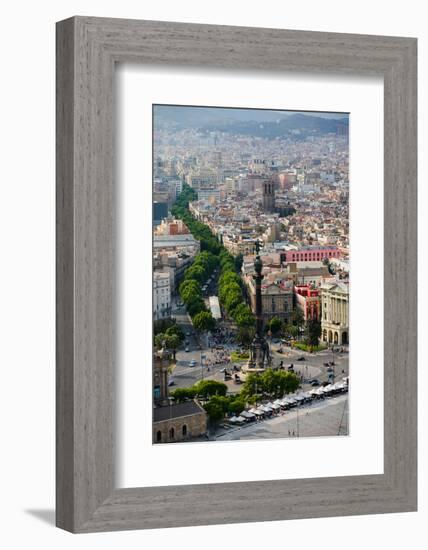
x,y
260,357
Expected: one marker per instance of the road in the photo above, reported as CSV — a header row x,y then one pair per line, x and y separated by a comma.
x,y
184,376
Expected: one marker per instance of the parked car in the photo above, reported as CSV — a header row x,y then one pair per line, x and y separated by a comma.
x,y
315,383
171,383
301,358
186,349
192,363
330,369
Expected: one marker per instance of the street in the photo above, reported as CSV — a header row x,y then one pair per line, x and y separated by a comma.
x,y
183,375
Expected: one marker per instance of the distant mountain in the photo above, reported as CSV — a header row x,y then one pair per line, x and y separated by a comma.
x,y
241,120
295,124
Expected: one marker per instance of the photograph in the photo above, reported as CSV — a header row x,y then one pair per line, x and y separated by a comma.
x,y
251,271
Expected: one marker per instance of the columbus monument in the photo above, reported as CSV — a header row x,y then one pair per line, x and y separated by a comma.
x,y
260,357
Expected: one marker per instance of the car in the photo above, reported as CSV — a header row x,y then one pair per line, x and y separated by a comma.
x,y
330,369
171,383
301,358
315,383
187,333
192,363
186,349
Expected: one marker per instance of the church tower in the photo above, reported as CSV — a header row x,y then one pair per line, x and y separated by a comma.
x,y
162,362
269,196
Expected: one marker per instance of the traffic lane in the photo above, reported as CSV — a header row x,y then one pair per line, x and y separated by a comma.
x,y
184,377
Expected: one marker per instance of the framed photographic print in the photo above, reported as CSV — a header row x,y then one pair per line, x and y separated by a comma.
x,y
236,274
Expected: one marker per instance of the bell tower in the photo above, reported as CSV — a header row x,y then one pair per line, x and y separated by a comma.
x,y
269,196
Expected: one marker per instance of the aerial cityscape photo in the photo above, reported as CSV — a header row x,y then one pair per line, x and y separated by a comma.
x,y
250,274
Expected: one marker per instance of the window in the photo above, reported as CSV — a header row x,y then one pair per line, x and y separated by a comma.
x,y
158,436
184,430
171,433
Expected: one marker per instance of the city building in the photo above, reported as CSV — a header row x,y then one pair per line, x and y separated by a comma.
x,y
311,253
276,296
179,422
307,300
161,365
178,243
161,295
269,196
160,211
169,226
335,313
210,194
173,263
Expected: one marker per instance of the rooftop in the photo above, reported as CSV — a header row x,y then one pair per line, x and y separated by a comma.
x,y
176,411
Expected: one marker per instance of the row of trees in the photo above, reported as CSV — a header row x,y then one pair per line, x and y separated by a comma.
x,y
231,293
231,296
270,383
212,254
199,230
191,291
204,389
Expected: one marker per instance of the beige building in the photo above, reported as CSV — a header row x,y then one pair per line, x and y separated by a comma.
x,y
277,296
179,422
335,313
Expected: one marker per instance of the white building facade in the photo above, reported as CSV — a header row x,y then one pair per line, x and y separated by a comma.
x,y
335,313
161,295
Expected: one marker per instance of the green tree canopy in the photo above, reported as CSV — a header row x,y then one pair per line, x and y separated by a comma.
x,y
175,330
273,383
208,388
195,305
203,321
171,341
182,394
188,288
275,325
214,411
244,316
313,332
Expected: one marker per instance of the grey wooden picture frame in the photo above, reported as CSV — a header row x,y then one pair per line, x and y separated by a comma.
x,y
87,51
